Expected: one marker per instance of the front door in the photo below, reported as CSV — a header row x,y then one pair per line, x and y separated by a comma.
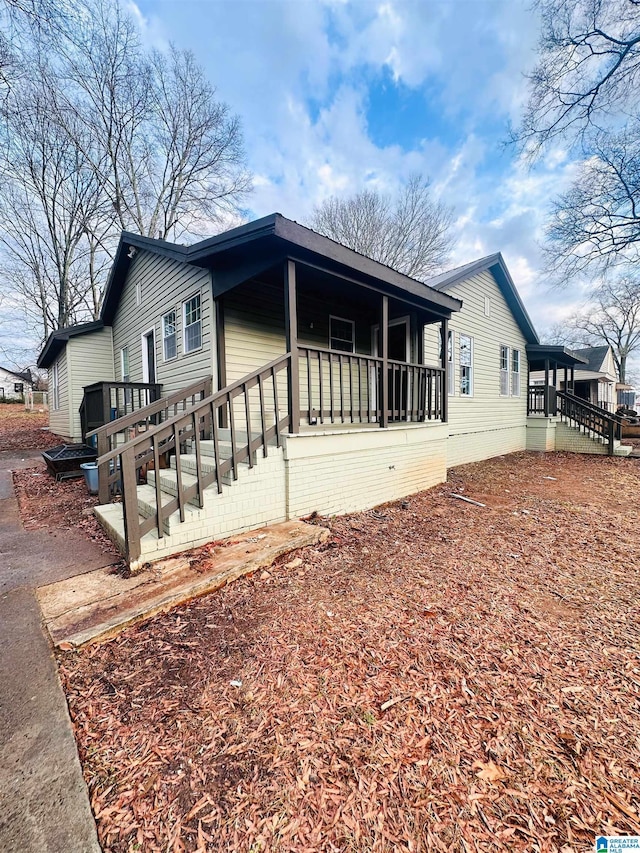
x,y
397,379
149,355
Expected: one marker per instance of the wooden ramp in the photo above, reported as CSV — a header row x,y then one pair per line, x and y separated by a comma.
x,y
97,605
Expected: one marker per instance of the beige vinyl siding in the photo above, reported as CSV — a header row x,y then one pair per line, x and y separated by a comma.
x,y
484,424
255,335
60,419
90,359
164,285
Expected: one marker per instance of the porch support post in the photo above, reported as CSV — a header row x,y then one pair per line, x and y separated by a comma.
x,y
444,360
291,332
566,380
546,387
384,337
221,357
555,374
573,379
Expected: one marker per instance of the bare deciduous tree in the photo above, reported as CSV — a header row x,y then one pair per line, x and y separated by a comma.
x,y
412,233
612,317
588,71
597,221
175,160
102,135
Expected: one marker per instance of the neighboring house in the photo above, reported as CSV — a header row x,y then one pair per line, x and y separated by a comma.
x,y
338,383
594,377
596,380
13,384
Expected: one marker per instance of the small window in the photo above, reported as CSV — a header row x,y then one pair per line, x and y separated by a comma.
x,y
55,386
487,306
124,364
451,381
466,366
138,294
192,324
342,334
504,371
169,343
515,373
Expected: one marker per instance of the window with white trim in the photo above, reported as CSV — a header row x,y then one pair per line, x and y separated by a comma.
x,y
515,373
504,371
192,324
169,339
55,386
124,364
487,306
342,334
466,365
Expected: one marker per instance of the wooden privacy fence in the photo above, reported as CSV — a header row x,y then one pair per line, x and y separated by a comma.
x,y
119,432
238,441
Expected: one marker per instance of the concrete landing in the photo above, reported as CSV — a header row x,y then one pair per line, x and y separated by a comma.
x,y
97,605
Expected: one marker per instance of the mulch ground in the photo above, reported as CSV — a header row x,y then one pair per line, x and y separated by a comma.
x,y
22,430
66,505
439,676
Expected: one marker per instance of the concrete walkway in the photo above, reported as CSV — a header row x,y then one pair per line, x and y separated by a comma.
x,y
44,805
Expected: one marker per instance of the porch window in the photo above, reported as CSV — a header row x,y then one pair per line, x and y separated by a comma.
x,y
466,366
504,371
192,324
342,334
451,380
124,364
515,373
169,346
55,386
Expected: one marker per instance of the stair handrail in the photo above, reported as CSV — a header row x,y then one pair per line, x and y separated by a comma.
x,y
610,429
142,416
149,446
151,409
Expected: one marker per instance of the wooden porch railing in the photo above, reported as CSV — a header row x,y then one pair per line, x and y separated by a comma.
x,y
590,418
342,387
254,420
542,400
107,401
122,430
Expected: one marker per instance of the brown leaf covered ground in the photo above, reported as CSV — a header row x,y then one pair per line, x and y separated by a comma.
x,y
22,430
66,505
439,676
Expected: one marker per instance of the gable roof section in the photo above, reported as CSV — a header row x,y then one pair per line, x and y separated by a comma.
x,y
23,376
496,266
57,340
594,357
269,239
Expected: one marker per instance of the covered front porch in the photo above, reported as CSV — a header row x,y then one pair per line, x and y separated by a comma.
x,y
357,351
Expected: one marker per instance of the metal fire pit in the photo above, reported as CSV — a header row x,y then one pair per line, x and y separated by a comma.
x,y
64,460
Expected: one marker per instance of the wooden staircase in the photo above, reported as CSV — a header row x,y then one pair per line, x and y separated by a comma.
x,y
592,422
213,469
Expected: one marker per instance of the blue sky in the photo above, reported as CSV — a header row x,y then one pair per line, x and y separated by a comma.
x,y
336,96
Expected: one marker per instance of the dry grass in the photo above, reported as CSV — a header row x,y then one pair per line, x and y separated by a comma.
x,y
439,676
23,430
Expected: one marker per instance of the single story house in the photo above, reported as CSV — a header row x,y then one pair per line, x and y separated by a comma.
x,y
269,372
13,384
594,378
